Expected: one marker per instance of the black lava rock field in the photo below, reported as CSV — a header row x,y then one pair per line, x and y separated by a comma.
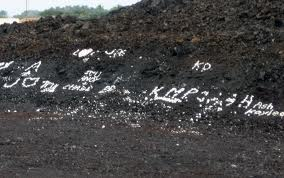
x,y
163,88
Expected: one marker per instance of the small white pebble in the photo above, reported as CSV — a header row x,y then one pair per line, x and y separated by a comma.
x,y
85,60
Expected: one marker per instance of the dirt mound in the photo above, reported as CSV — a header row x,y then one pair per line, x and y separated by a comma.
x,y
182,67
162,4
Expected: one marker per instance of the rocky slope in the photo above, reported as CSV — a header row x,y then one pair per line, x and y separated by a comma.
x,y
162,73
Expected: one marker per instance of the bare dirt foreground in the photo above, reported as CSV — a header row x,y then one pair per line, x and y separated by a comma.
x,y
162,88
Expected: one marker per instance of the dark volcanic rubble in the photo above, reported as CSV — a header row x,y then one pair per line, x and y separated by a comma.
x,y
165,66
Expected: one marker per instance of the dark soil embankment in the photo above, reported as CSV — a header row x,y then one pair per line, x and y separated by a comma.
x,y
161,88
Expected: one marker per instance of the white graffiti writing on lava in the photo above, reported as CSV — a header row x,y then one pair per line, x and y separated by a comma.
x,y
231,100
116,53
30,82
165,98
260,109
215,103
207,101
27,81
87,53
190,92
4,65
73,87
108,89
201,66
85,83
245,103
48,87
84,54
27,72
90,76
10,85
